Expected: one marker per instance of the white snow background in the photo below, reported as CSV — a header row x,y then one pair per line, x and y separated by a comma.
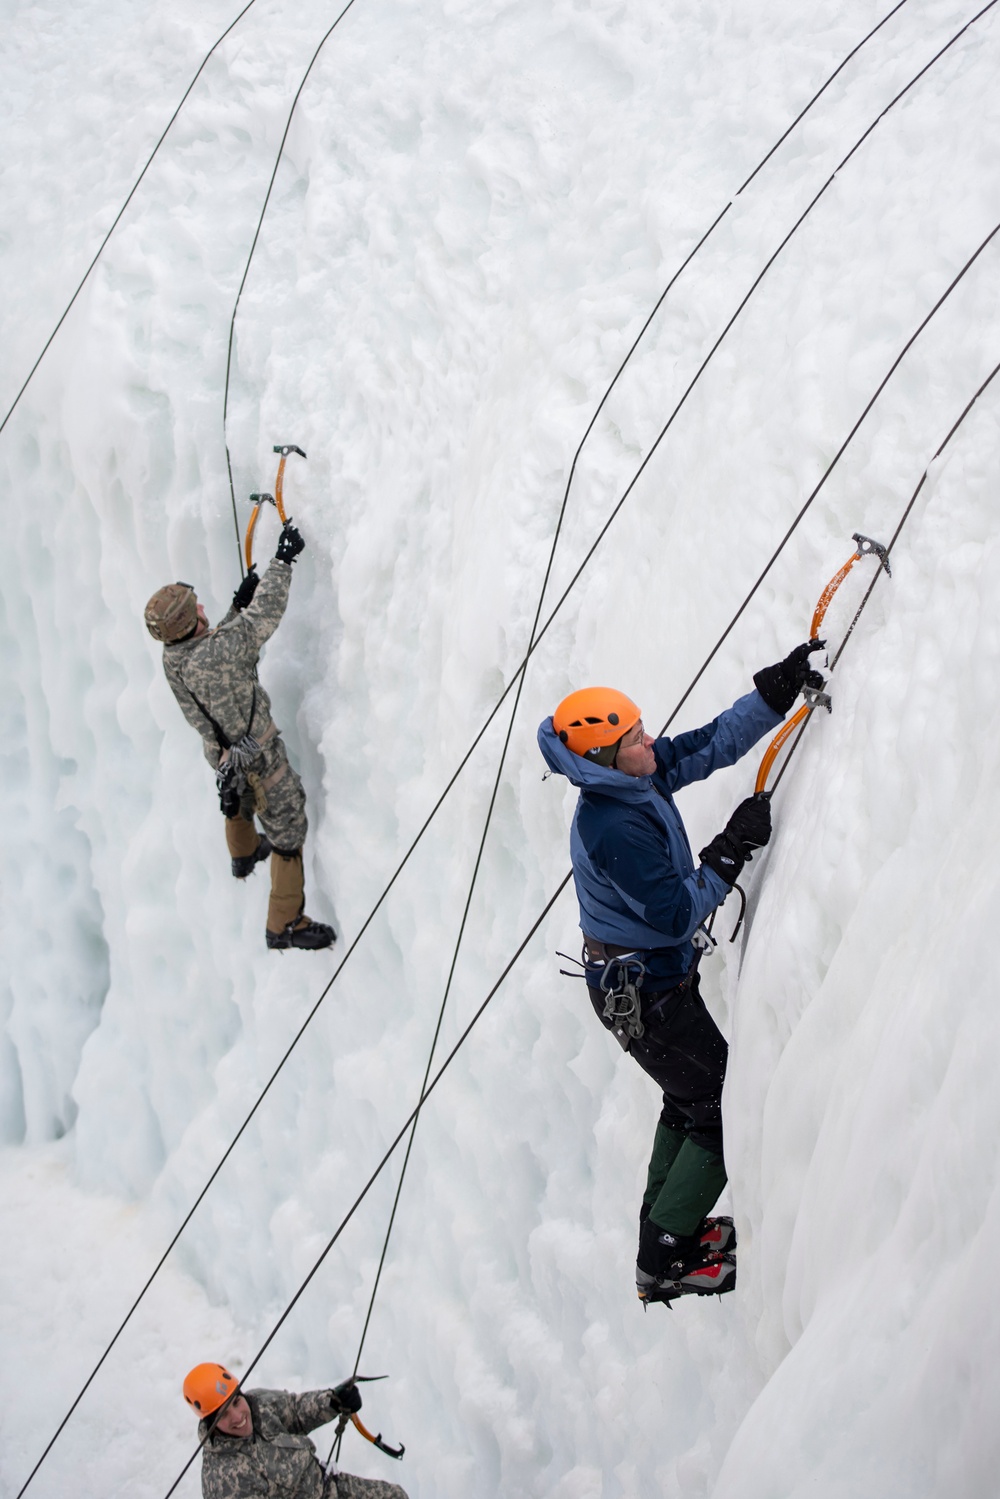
x,y
478,205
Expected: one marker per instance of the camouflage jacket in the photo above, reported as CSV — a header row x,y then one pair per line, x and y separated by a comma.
x,y
217,668
278,1461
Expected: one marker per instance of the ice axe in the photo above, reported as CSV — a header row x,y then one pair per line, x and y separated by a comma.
x,y
276,499
866,546
356,1420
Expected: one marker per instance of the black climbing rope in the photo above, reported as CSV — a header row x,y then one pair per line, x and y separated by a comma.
x,y
521,676
828,471
702,367
246,269
119,214
907,511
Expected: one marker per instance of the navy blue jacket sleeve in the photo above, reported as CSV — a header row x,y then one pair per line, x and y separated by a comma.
x,y
695,755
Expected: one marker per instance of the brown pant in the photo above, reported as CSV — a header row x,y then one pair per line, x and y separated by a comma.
x,y
284,822
288,894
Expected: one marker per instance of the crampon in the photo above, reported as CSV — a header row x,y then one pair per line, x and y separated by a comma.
x,y
715,1276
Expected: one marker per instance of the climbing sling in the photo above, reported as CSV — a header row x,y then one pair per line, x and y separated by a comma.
x,y
233,775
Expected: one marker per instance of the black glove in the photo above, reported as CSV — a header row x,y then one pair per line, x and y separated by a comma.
x,y
290,543
747,829
246,590
346,1397
724,856
750,824
780,685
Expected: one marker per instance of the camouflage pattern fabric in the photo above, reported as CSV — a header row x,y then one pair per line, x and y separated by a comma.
x,y
284,817
218,667
346,1486
280,1461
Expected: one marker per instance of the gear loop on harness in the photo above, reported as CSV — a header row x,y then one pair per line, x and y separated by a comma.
x,y
622,1007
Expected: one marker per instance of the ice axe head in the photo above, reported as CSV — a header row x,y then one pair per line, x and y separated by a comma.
x,y
287,447
868,547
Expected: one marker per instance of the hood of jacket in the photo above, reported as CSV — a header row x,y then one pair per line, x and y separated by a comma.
x,y
587,774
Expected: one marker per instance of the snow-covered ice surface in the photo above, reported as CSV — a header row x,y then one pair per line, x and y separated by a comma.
x,y
478,206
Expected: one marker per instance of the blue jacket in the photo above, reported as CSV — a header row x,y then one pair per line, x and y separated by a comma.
x,y
636,879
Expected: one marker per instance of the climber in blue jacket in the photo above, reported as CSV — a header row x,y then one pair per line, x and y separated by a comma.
x,y
642,901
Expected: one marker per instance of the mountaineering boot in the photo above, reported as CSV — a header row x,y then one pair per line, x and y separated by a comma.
x,y
302,933
287,923
668,1256
245,864
671,1265
712,1278
718,1234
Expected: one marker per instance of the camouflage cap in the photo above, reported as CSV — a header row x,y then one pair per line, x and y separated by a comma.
x,y
172,612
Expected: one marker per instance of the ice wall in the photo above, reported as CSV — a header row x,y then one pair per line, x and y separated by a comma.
x,y
477,208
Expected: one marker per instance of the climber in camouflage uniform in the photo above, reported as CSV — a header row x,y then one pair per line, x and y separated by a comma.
x,y
255,1444
212,673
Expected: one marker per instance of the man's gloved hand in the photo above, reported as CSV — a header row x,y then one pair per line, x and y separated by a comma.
x,y
724,856
346,1397
750,824
747,829
290,543
246,590
780,685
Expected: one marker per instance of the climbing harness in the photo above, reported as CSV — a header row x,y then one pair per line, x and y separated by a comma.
x,y
815,697
236,756
619,976
277,500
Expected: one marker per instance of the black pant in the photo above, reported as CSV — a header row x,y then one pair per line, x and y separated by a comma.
x,y
684,1052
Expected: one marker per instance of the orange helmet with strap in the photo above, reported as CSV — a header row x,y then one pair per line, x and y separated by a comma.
x,y
208,1386
594,718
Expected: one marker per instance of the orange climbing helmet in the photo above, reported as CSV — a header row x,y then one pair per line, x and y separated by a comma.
x,y
593,719
208,1386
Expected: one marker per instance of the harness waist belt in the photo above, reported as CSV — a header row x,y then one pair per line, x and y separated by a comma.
x,y
267,735
603,952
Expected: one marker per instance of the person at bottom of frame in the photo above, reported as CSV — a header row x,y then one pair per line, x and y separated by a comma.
x,y
255,1443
